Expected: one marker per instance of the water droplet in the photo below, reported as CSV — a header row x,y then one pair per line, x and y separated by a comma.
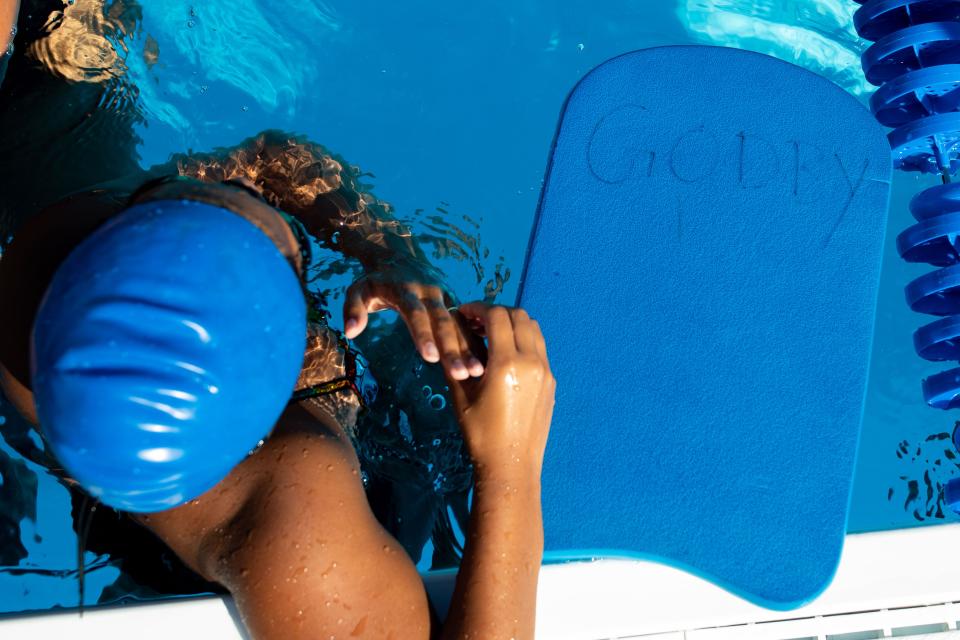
x,y
244,108
335,238
436,442
329,467
426,391
190,24
437,402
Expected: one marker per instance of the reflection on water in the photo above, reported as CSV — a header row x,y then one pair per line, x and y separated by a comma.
x,y
250,48
816,34
85,41
928,466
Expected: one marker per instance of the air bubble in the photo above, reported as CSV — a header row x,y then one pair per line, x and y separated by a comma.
x,y
426,391
437,402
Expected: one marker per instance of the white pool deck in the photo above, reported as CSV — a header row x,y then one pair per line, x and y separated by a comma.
x,y
903,583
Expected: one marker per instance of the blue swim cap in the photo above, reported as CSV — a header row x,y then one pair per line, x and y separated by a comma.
x,y
165,349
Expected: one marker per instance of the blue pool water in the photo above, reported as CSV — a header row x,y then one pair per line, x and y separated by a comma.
x,y
450,110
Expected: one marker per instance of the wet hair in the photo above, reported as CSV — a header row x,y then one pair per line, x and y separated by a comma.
x,y
291,172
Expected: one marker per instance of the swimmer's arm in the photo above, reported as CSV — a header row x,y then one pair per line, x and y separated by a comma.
x,y
496,592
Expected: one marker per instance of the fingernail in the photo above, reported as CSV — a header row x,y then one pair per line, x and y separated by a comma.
x,y
476,367
430,352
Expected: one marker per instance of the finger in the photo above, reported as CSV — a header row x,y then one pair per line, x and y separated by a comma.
x,y
523,334
496,325
473,314
458,391
445,334
354,311
417,319
471,343
473,350
499,329
540,341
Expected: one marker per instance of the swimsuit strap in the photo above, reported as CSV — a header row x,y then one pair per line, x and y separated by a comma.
x,y
355,379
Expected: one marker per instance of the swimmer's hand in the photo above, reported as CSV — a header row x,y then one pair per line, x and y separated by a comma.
x,y
408,288
505,416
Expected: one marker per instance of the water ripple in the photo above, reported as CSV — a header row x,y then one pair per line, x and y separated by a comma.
x,y
814,34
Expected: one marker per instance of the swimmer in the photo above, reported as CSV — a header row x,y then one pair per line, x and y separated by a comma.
x,y
288,530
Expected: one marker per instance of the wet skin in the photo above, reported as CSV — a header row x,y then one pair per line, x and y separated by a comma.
x,y
290,534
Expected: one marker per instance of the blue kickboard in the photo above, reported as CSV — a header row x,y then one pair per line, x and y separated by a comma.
x,y
704,264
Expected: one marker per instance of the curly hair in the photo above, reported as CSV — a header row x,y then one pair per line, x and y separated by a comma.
x,y
291,171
